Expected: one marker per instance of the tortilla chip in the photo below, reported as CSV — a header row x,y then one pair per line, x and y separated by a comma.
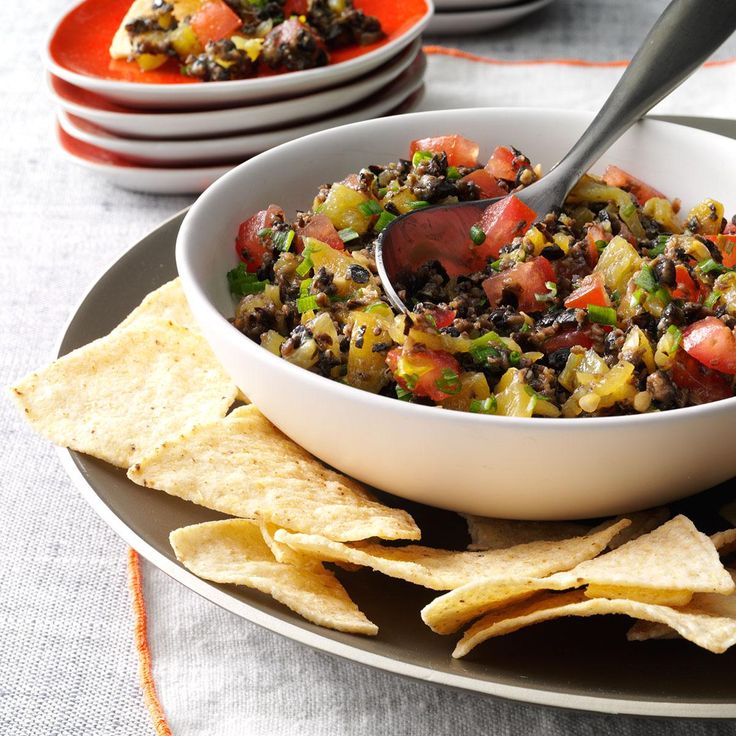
x,y
242,465
120,396
724,542
441,569
487,533
664,566
642,522
233,552
281,552
728,512
167,302
715,633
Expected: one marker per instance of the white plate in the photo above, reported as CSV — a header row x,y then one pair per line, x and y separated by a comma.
x,y
129,122
475,21
233,147
212,94
523,468
460,5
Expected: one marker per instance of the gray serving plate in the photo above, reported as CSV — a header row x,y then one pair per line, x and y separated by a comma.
x,y
583,664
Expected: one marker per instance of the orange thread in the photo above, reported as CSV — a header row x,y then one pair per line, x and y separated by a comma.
x,y
458,53
145,668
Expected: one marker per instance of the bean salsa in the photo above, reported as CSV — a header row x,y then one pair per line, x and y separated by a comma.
x,y
616,303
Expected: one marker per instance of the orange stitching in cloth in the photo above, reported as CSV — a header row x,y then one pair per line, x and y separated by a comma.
x,y
447,51
145,670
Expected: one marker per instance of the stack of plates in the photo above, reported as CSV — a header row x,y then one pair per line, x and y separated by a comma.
x,y
474,16
161,132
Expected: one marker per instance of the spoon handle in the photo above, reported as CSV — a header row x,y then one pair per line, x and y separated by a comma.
x,y
683,37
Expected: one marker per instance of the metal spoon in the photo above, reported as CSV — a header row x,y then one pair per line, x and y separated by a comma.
x,y
683,37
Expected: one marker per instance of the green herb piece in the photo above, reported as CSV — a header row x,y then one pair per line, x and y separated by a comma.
x,y
347,234
377,306
600,245
628,210
370,207
418,205
304,267
410,379
526,327
477,234
304,287
602,315
534,394
710,266
382,192
420,156
663,295
242,283
484,406
383,221
676,334
449,383
551,295
646,279
305,303
403,394
264,232
713,297
496,265
515,358
453,173
615,296
282,240
481,355
637,296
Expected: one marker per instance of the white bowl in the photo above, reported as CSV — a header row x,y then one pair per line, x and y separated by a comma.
x,y
156,124
449,21
498,466
198,95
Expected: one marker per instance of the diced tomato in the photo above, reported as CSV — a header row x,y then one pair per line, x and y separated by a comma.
x,y
295,7
505,164
460,151
726,243
249,246
615,177
425,372
525,281
442,317
703,385
487,184
215,20
595,234
568,339
502,221
592,290
321,228
686,288
711,343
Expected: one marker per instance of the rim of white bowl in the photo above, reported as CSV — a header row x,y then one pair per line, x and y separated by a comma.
x,y
260,87
192,285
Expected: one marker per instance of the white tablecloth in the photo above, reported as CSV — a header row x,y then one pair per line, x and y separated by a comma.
x,y
68,662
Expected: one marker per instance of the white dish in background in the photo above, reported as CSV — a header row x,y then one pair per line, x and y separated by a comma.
x,y
460,5
234,147
446,23
148,124
212,94
146,179
492,466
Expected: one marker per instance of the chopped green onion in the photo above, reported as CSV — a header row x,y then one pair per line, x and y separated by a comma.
x,y
430,320
282,240
496,265
453,173
646,279
480,350
526,327
551,295
403,394
484,406
600,245
242,283
420,156
410,379
615,296
676,334
382,192
628,210
418,204
370,207
347,234
376,306
305,303
304,267
713,297
449,383
477,234
637,296
304,287
657,250
383,221
602,315
663,295
710,266
515,358
264,232
534,394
